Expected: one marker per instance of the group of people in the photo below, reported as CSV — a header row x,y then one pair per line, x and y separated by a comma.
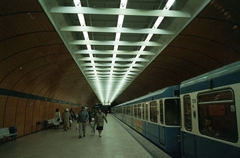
x,y
95,119
67,118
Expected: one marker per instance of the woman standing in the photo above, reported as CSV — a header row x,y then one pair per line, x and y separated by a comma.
x,y
57,118
99,121
66,117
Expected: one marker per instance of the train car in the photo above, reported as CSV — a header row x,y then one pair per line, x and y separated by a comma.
x,y
157,117
210,111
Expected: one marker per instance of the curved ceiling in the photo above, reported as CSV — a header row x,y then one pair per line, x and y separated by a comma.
x,y
35,60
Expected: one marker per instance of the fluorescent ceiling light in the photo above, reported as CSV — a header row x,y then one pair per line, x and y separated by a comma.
x,y
113,45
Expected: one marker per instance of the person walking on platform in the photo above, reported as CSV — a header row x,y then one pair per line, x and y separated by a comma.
x,y
99,121
66,117
92,125
82,119
72,114
57,118
91,114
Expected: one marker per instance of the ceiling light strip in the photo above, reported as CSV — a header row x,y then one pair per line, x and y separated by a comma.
x,y
110,43
77,4
118,11
116,29
148,38
123,5
119,52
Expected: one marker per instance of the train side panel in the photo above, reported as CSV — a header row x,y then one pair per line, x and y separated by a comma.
x,y
172,142
213,148
152,133
138,125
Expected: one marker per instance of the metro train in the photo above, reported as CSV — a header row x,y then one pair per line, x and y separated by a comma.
x,y
198,118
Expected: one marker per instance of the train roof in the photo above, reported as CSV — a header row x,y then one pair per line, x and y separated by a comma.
x,y
172,91
228,74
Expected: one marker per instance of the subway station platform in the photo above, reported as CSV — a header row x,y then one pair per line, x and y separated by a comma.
x,y
117,141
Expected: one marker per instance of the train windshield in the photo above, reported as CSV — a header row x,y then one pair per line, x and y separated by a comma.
x,y
172,112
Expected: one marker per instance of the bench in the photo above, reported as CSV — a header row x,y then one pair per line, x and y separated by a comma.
x,y
4,132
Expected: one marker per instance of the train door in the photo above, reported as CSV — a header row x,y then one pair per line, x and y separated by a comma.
x,y
188,139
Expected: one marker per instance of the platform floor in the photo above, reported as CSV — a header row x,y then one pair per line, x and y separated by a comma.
x,y
117,141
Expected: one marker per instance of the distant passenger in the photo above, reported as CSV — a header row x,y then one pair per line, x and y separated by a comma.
x,y
66,118
91,114
99,121
57,118
208,129
92,125
72,114
82,119
105,112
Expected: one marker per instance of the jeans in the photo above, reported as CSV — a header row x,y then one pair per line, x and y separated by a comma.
x,y
82,128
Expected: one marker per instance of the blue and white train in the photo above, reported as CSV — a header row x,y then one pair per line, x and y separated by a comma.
x,y
200,118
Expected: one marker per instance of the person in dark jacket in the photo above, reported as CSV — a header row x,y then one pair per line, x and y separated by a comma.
x,y
91,114
82,119
72,114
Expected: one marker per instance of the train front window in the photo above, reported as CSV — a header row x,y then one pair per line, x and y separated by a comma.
x,y
187,112
172,112
217,115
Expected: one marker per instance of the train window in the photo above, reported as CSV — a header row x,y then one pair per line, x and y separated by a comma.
x,y
187,112
128,110
146,111
172,112
217,115
161,111
131,110
135,108
153,111
139,110
216,96
143,111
